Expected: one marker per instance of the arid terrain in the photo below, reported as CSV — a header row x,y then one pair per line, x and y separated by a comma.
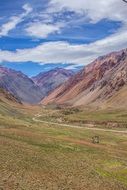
x,y
63,94
49,143
37,155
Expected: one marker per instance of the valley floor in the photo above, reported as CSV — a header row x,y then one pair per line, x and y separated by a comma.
x,y
40,156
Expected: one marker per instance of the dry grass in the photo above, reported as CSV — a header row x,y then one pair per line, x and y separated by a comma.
x,y
35,156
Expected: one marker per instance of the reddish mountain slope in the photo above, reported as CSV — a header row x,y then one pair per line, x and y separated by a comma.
x,y
96,83
6,96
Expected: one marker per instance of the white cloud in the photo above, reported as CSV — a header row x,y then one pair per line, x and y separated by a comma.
x,y
27,8
14,21
86,10
95,10
42,30
11,24
63,52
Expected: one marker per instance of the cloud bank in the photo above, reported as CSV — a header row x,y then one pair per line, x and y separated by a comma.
x,y
92,11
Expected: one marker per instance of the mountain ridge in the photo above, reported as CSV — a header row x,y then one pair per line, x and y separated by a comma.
x,y
50,80
96,83
21,86
32,90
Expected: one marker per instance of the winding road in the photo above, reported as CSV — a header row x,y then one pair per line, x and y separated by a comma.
x,y
35,118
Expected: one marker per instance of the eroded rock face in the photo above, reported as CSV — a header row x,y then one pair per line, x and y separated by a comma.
x,y
97,81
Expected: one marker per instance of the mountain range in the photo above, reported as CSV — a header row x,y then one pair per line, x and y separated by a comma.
x,y
19,85
102,83
31,90
52,79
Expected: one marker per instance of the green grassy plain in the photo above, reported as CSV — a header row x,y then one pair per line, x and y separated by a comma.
x,y
37,156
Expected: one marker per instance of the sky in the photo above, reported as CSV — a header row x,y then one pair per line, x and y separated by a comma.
x,y
39,35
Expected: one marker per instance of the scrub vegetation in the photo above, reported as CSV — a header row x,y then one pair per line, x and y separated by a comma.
x,y
36,156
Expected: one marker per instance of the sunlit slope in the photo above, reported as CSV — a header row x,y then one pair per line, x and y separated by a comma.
x,y
118,101
95,85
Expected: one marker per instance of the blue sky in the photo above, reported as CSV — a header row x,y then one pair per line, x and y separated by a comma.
x,y
38,35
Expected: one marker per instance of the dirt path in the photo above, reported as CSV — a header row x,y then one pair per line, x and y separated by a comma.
x,y
35,118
